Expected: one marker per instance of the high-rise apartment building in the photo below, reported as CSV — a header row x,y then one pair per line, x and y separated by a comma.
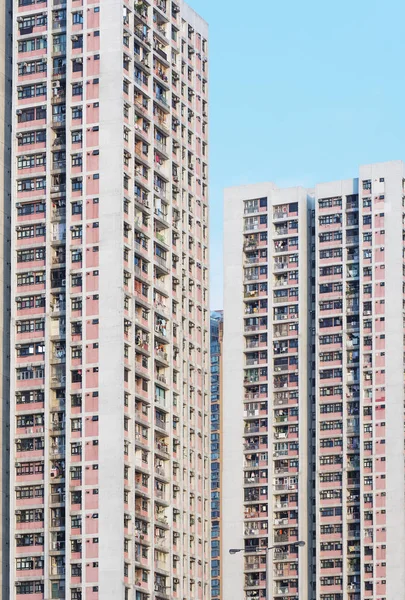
x,y
110,324
265,484
313,391
5,207
359,363
217,332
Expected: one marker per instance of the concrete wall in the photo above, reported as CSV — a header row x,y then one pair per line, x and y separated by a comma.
x,y
111,353
232,493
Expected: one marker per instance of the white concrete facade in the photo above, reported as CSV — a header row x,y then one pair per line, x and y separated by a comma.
x,y
255,219
348,447
110,340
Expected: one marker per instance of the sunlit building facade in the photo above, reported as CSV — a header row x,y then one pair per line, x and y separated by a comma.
x,y
110,494
217,332
266,391
5,207
313,392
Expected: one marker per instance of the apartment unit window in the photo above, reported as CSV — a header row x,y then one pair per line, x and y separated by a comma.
x,y
29,587
29,492
77,112
76,448
330,477
31,114
32,44
77,18
30,373
31,255
29,563
331,512
329,202
77,136
30,516
77,184
76,305
331,425
331,253
330,236
77,41
330,219
330,408
77,208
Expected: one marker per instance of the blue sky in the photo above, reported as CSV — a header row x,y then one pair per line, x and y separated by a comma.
x,y
301,92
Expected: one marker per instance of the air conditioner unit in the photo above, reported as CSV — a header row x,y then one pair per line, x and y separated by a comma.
x,y
79,60
75,38
20,88
63,282
56,84
19,112
20,19
19,135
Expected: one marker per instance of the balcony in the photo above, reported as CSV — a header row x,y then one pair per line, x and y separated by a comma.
x,y
59,121
162,262
250,244
162,447
280,215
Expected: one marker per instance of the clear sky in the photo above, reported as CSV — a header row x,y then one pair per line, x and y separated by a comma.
x,y
300,92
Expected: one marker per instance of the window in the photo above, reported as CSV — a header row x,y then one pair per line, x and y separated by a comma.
x,y
77,112
330,219
77,41
29,587
76,208
77,89
77,18
76,136
77,65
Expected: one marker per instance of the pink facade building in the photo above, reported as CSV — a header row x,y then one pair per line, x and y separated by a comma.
x,y
359,364
5,207
110,324
313,383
